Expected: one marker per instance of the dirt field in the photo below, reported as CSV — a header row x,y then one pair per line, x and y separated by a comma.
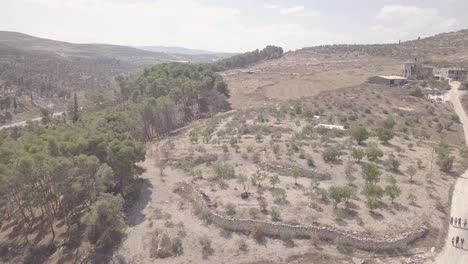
x,y
213,154
303,74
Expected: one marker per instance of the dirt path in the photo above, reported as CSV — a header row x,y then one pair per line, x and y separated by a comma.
x,y
459,208
23,123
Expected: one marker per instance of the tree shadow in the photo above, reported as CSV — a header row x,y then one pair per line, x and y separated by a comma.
x,y
399,207
227,234
207,253
137,201
376,215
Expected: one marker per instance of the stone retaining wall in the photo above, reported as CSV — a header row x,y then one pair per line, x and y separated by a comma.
x,y
397,241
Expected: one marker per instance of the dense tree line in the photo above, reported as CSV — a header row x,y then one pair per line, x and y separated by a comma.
x,y
62,171
168,96
249,58
81,171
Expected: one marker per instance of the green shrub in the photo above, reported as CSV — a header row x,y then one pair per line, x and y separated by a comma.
x,y
340,194
360,135
384,134
393,192
358,154
370,173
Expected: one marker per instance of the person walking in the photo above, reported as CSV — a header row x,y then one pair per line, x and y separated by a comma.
x,y
451,220
459,221
457,239
465,223
462,242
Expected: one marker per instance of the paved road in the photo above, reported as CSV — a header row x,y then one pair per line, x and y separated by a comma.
x,y
449,254
23,123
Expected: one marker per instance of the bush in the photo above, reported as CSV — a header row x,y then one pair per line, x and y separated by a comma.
x,y
278,194
225,148
373,152
393,192
330,154
177,247
224,171
416,92
463,86
310,161
257,232
242,244
233,141
384,134
256,158
275,214
389,123
276,149
360,135
370,173
358,154
455,118
340,194
253,212
392,163
444,160
104,220
287,238
230,209
205,243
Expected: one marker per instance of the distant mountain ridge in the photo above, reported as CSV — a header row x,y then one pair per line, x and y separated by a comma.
x,y
48,67
177,50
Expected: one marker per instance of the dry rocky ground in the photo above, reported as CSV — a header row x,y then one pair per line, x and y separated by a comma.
x,y
303,74
282,150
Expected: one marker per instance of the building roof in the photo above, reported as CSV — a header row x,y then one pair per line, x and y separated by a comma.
x,y
392,77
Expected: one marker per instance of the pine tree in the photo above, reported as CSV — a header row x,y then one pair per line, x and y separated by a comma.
x,y
75,108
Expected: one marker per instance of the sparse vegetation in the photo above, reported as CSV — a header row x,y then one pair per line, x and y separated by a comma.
x,y
360,135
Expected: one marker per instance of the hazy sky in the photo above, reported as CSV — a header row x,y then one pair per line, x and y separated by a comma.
x,y
232,26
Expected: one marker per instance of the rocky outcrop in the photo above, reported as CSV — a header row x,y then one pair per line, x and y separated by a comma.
x,y
396,241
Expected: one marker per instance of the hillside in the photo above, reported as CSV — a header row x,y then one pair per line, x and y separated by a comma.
x,y
440,49
308,71
76,66
177,50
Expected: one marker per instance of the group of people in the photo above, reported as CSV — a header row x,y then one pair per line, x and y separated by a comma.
x,y
457,222
457,240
